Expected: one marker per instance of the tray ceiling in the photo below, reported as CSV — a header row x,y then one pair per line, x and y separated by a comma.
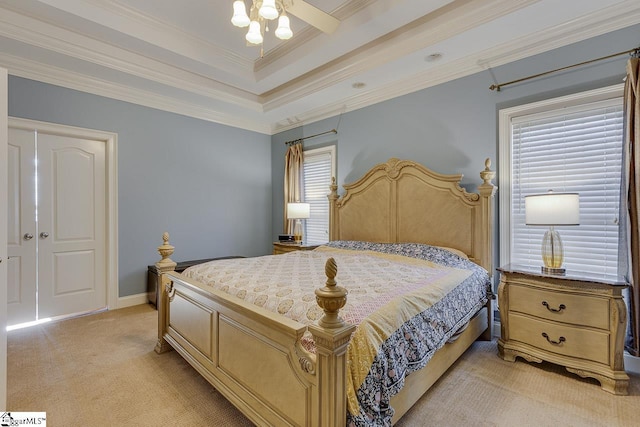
x,y
187,57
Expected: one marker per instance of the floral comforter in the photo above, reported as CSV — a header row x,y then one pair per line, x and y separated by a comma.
x,y
407,300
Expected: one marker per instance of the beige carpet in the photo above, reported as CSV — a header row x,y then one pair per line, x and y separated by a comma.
x,y
101,370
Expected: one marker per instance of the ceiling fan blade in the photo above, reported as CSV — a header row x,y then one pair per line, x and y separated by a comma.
x,y
313,16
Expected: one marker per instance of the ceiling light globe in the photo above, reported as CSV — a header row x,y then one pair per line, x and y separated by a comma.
x,y
268,9
283,32
240,17
254,36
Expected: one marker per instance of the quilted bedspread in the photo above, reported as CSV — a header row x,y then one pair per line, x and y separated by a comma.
x,y
407,300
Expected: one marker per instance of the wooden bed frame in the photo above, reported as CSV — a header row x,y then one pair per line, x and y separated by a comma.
x,y
254,357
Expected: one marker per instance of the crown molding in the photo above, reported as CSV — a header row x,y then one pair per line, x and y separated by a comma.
x,y
590,26
596,24
624,14
433,77
130,21
68,79
304,36
428,30
68,43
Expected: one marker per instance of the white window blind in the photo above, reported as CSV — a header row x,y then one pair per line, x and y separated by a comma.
x,y
575,149
318,168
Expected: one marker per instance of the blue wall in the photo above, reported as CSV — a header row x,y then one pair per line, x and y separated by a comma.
x,y
231,179
209,185
453,127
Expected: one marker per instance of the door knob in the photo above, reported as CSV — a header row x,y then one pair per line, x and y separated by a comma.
x,y
28,236
44,235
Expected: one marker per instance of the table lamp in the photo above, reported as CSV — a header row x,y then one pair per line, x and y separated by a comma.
x,y
298,212
552,209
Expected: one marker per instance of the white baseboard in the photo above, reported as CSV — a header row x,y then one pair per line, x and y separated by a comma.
x,y
131,300
631,363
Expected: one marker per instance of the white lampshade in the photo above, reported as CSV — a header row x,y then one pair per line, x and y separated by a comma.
x,y
283,32
552,209
298,210
254,36
268,9
240,17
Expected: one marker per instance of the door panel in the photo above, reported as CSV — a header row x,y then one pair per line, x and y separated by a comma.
x,y
71,225
73,272
21,222
74,194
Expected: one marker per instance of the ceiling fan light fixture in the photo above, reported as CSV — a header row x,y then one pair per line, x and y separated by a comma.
x,y
268,9
240,17
254,35
260,12
283,32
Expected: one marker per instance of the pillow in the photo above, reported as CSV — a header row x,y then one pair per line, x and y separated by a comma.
x,y
455,251
419,250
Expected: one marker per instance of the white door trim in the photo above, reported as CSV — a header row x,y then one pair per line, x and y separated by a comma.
x,y
3,235
111,141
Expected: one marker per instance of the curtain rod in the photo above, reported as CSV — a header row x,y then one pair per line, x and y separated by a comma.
x,y
497,87
299,140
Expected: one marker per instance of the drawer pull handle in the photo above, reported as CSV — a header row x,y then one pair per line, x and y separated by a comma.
x,y
560,340
555,310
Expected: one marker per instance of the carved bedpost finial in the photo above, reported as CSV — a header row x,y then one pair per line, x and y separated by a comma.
x,y
331,270
487,189
487,174
165,250
333,199
331,298
333,195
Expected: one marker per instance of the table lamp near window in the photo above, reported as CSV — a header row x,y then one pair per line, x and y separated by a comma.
x,y
552,209
298,212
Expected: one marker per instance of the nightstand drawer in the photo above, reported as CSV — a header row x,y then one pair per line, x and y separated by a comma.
x,y
569,341
563,307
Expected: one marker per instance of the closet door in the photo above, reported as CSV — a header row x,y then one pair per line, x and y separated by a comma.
x,y
21,227
71,225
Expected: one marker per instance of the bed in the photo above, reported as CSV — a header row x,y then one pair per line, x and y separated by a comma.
x,y
299,371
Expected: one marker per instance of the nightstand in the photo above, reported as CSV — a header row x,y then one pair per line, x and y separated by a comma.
x,y
282,248
577,321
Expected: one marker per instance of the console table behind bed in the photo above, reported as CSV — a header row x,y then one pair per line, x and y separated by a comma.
x,y
254,357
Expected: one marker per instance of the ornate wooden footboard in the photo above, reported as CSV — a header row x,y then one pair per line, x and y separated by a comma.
x,y
255,358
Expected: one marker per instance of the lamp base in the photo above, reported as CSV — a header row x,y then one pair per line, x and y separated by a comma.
x,y
556,271
297,231
552,253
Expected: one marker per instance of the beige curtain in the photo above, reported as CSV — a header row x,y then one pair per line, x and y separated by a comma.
x,y
292,181
630,202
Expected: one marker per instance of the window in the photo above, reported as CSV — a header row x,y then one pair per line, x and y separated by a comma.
x,y
318,168
569,144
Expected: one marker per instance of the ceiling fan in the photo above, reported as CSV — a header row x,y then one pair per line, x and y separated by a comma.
x,y
311,15
262,11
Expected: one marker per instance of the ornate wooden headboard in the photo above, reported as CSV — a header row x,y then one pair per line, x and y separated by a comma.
x,y
402,201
